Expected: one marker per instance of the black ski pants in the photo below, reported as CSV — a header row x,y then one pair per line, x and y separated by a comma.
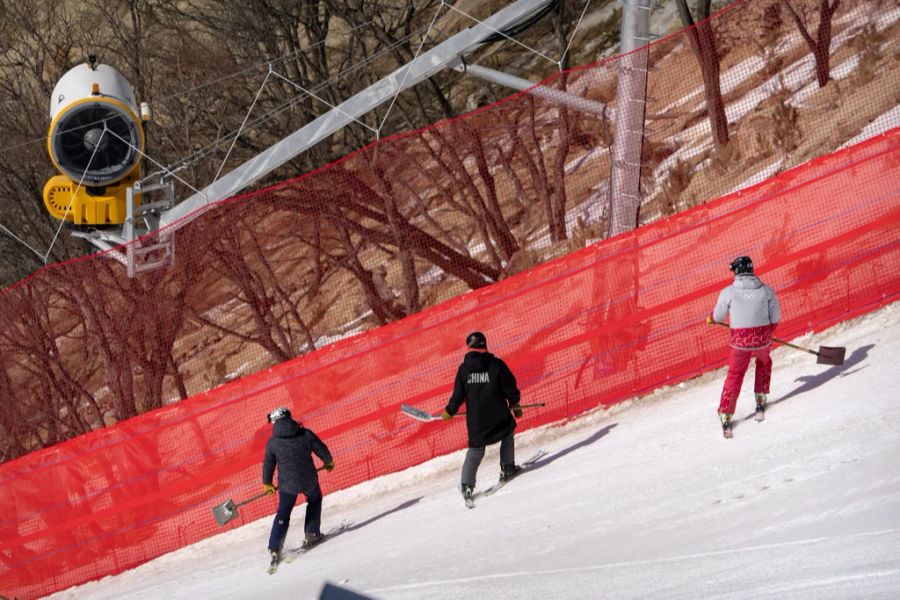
x,y
474,456
282,521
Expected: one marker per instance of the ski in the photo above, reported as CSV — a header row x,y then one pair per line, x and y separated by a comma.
x,y
295,553
535,456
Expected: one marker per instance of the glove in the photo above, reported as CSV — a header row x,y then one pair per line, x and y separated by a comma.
x,y
446,416
329,466
710,320
516,411
269,489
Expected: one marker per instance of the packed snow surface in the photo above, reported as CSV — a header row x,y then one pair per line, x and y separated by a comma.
x,y
645,500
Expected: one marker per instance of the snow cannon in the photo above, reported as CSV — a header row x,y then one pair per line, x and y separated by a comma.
x,y
95,141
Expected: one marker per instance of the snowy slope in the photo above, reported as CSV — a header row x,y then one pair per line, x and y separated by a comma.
x,y
644,500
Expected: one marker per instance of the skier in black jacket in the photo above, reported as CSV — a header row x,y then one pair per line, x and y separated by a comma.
x,y
290,448
489,390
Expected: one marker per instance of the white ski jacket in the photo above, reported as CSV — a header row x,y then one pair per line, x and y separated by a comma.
x,y
752,310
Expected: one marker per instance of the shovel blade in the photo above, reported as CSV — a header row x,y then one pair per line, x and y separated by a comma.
x,y
830,356
417,413
225,512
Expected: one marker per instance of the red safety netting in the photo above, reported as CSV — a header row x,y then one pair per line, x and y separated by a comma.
x,y
416,240
598,326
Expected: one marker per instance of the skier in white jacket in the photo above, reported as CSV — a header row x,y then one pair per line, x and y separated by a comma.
x,y
753,312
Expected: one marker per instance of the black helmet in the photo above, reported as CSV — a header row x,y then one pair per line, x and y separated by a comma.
x,y
742,264
279,413
476,339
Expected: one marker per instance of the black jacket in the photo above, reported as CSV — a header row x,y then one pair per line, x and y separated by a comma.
x,y
290,448
488,388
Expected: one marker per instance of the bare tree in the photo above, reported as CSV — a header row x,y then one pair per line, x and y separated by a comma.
x,y
44,366
821,45
361,208
562,24
703,42
393,29
264,285
38,46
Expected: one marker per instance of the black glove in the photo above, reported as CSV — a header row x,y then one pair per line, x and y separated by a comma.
x,y
516,411
329,466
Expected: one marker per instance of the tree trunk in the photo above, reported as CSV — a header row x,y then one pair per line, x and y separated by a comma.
x,y
821,46
407,264
709,66
703,42
823,42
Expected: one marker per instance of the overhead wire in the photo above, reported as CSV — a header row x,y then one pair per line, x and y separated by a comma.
x,y
272,113
501,33
244,122
408,66
562,58
23,242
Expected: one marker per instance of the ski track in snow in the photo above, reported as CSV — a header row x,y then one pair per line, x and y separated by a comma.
x,y
644,499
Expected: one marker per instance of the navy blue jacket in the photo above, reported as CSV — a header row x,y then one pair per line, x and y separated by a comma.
x,y
488,388
290,449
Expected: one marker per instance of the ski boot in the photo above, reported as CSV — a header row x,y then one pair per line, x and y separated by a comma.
x,y
726,425
760,407
468,493
507,472
275,559
311,539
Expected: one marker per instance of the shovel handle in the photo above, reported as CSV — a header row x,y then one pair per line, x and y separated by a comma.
x,y
462,412
775,339
250,499
779,340
261,494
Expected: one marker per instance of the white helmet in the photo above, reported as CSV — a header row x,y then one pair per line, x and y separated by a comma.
x,y
279,413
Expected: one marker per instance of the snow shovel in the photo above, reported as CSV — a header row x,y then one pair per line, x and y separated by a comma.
x,y
421,415
827,355
228,510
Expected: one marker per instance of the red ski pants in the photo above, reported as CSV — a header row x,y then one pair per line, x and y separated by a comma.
x,y
738,361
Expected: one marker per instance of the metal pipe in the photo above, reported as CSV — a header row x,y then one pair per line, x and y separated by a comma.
x,y
628,136
552,95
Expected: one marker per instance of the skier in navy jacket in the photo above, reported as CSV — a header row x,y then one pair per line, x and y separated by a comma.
x,y
488,387
290,449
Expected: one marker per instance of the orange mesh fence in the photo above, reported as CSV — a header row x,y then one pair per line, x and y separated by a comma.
x,y
598,326
347,291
